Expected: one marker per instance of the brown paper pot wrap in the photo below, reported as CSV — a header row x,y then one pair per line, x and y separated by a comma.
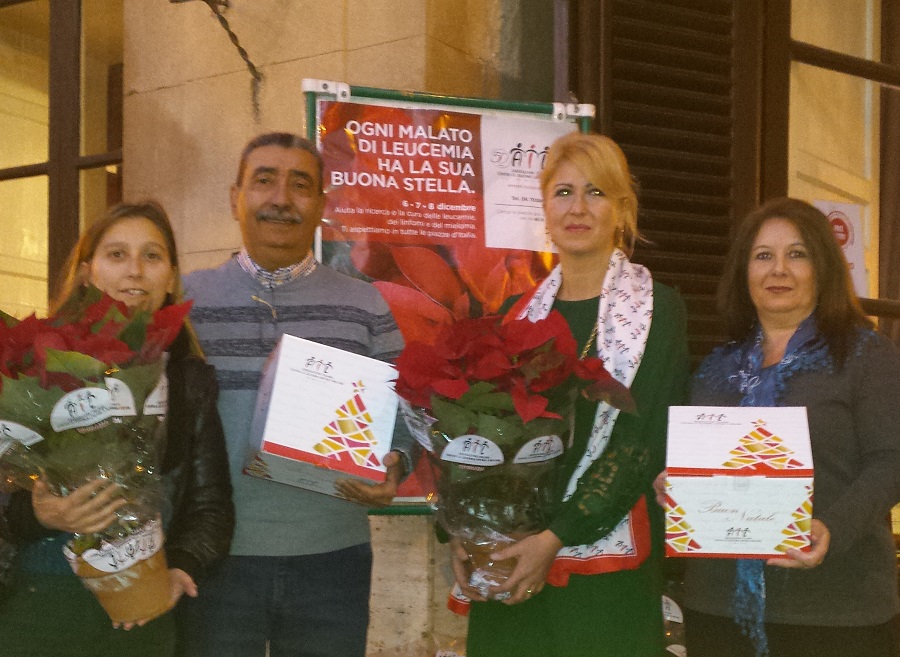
x,y
484,571
129,577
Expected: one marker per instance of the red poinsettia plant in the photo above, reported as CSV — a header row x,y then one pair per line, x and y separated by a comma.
x,y
486,364
84,339
495,400
83,395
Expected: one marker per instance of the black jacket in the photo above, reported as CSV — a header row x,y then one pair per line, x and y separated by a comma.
x,y
199,534
195,463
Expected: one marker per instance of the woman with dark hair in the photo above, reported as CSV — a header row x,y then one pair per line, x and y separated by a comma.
x,y
590,584
799,338
129,254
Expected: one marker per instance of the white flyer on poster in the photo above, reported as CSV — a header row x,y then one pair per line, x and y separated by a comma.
x,y
513,153
847,223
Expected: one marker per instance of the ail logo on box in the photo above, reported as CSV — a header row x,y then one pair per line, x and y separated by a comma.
x,y
319,368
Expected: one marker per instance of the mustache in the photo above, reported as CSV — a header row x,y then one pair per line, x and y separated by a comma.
x,y
279,214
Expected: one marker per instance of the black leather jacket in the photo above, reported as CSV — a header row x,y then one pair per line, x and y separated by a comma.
x,y
195,465
199,534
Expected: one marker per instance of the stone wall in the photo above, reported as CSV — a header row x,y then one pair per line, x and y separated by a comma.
x,y
188,103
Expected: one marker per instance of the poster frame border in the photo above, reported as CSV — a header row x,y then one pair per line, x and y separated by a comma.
x,y
314,90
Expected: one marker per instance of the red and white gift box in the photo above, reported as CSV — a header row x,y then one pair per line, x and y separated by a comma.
x,y
739,481
322,414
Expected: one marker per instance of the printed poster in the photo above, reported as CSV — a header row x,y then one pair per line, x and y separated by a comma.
x,y
847,223
440,209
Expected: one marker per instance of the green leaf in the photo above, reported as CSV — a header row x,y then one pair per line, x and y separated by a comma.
x,y
476,390
492,402
545,426
452,420
114,316
24,401
505,431
75,305
135,333
140,379
81,366
9,320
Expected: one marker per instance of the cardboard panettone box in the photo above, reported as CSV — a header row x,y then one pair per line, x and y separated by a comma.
x,y
739,481
322,414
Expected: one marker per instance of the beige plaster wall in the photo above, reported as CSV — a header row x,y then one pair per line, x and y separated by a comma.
x,y
188,108
188,112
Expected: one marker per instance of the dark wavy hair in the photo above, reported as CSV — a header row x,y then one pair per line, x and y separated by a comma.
x,y
838,313
284,140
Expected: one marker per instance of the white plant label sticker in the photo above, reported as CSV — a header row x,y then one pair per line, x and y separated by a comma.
x,y
157,402
14,432
123,554
81,408
121,397
472,450
539,450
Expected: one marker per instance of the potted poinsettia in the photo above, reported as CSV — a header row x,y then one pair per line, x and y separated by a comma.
x,y
492,401
83,395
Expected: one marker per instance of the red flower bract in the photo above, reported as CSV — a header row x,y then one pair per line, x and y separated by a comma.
x,y
534,364
94,325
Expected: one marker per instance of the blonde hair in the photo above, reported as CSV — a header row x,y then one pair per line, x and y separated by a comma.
x,y
603,163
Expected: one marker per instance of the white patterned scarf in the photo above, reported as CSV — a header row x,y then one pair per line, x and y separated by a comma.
x,y
624,317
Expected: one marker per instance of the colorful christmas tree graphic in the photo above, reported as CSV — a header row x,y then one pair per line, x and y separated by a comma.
x,y
797,532
762,448
678,531
348,437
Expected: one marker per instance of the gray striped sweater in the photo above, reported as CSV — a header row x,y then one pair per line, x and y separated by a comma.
x,y
239,322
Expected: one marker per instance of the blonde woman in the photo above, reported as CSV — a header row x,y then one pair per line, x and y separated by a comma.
x,y
591,584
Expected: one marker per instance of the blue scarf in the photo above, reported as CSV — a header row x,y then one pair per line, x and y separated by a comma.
x,y
765,387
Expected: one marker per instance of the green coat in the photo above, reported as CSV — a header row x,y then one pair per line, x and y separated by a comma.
x,y
618,613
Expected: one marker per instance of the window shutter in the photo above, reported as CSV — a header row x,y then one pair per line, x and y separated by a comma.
x,y
663,79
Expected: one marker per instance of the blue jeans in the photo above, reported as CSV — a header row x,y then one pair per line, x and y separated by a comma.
x,y
313,605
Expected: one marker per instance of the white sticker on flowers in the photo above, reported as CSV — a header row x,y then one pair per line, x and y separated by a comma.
x,y
472,450
158,401
10,431
81,408
116,556
539,450
120,397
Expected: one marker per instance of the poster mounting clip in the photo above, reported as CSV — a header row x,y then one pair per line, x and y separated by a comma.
x,y
340,90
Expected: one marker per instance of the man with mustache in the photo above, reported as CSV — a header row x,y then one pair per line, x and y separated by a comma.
x,y
299,572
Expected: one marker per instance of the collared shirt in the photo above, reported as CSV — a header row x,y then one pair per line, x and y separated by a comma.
x,y
272,279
